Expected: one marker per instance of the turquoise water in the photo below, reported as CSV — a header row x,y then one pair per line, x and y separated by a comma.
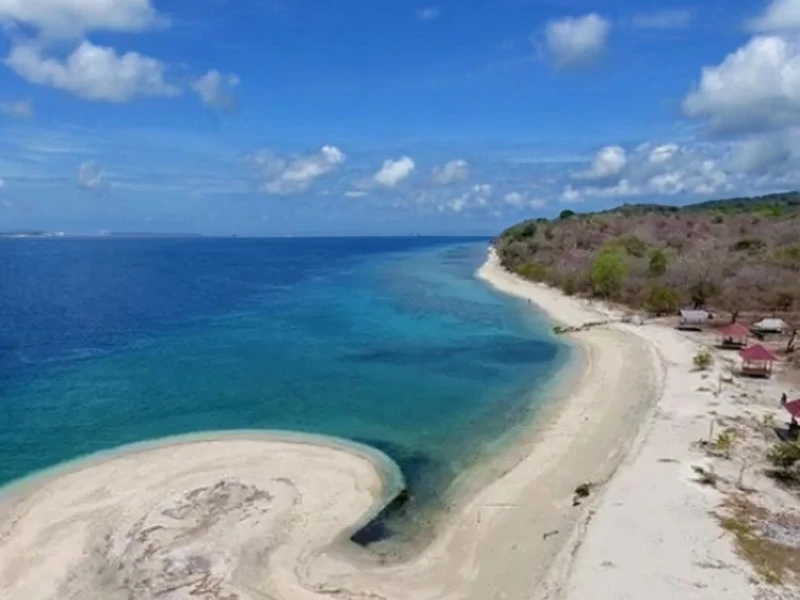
x,y
394,344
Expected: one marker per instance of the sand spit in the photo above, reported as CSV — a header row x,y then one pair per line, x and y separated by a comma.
x,y
268,518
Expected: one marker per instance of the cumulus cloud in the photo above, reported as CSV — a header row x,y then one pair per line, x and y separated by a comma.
x,y
661,170
770,154
285,176
394,171
476,197
755,87
93,72
577,41
662,153
679,18
521,199
17,109
454,171
216,89
429,13
780,16
608,162
73,18
90,177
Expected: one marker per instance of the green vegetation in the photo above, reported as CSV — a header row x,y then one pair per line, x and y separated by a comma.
x,y
731,256
608,273
703,360
658,263
662,300
532,271
784,455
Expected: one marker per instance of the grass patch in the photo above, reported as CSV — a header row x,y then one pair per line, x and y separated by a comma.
x,y
774,562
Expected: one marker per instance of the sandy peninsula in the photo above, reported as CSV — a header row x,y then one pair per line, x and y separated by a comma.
x,y
269,516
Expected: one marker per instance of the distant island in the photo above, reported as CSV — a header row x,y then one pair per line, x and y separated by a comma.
x,y
736,255
103,234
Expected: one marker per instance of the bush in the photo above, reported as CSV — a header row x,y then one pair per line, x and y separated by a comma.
x,y
750,245
633,246
569,286
784,455
566,214
662,300
523,231
725,442
533,271
608,273
703,360
658,263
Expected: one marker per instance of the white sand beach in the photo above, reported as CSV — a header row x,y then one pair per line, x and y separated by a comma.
x,y
266,516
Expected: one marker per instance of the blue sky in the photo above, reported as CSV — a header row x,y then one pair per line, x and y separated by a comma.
x,y
274,117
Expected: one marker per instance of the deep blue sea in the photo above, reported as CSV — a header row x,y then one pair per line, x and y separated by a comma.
x,y
387,341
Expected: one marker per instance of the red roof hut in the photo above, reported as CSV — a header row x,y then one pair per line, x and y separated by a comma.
x,y
734,336
757,361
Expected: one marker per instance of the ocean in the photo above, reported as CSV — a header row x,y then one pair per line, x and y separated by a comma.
x,y
391,342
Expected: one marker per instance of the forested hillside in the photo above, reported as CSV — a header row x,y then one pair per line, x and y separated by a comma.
x,y
732,255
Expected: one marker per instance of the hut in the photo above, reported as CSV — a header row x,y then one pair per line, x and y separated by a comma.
x,y
769,327
694,319
734,336
757,361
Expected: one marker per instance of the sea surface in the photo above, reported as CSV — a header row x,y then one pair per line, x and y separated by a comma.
x,y
391,342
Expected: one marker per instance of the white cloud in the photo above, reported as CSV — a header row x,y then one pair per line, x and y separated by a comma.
x,y
661,170
284,176
18,109
90,177
570,195
577,41
93,72
216,89
429,13
608,162
775,154
453,172
394,171
519,199
477,197
755,87
2,184
780,16
663,153
72,18
679,18
355,193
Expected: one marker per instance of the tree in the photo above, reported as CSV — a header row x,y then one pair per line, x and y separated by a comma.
x,y
608,273
701,291
658,263
634,246
566,214
662,300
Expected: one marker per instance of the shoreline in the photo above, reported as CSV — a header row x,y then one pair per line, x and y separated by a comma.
x,y
498,542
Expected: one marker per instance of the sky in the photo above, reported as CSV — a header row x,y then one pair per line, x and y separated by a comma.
x,y
387,117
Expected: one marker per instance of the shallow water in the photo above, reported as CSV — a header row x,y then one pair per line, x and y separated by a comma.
x,y
389,342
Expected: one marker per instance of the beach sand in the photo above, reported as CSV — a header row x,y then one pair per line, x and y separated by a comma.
x,y
269,516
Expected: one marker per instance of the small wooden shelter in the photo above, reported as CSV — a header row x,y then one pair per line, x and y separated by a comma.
x,y
734,336
694,319
770,325
757,361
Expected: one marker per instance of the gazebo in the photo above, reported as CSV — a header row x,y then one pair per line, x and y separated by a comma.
x,y
734,336
757,361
